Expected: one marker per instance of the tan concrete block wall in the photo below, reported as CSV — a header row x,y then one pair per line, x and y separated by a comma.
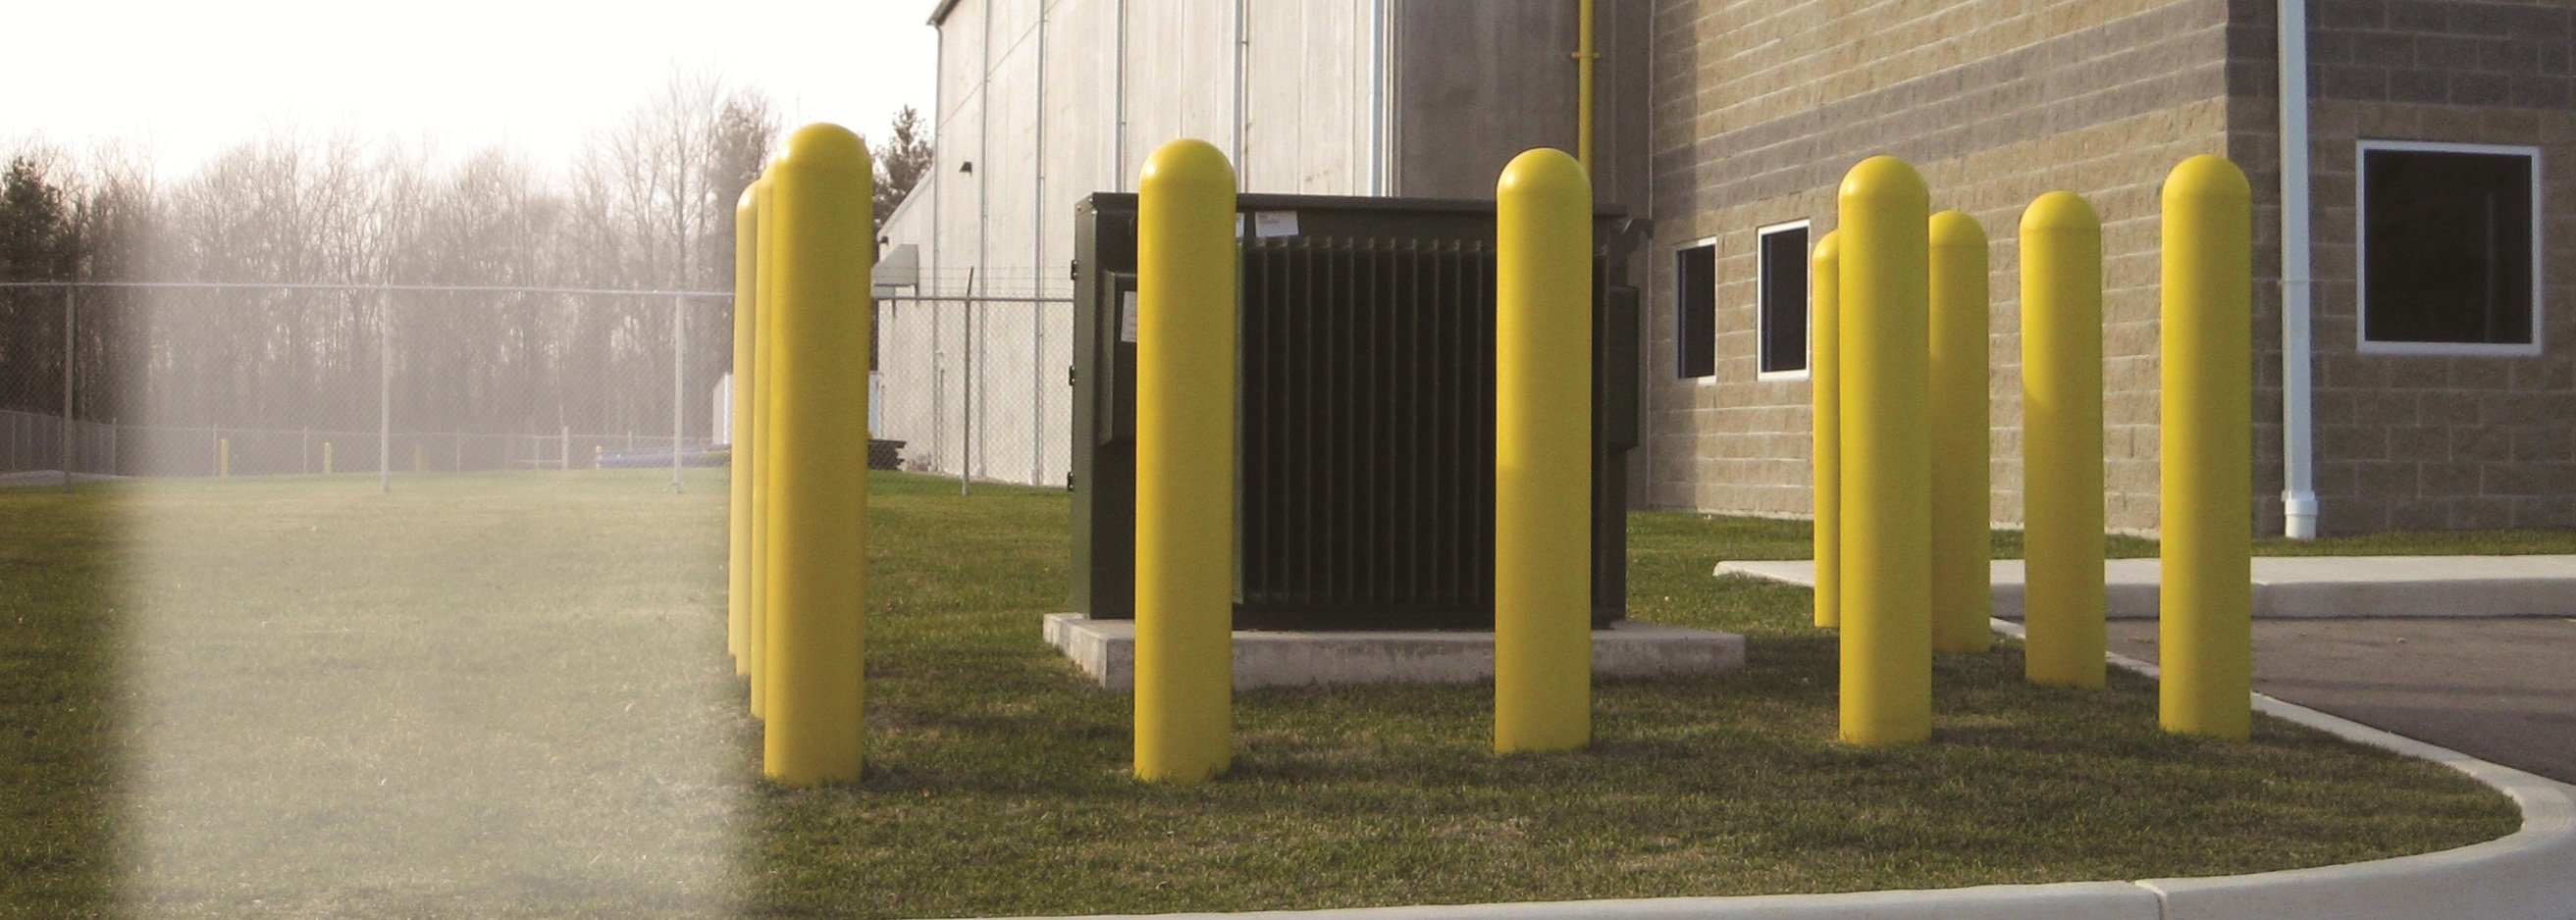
x,y
2440,442
1763,107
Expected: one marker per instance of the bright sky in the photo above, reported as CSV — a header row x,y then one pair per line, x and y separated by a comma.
x,y
187,78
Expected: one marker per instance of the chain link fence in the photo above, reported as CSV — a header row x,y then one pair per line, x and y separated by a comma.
x,y
972,378
268,379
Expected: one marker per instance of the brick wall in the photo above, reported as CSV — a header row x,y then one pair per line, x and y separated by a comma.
x,y
1760,108
2439,442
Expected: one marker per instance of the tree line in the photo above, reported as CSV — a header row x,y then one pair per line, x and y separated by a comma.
x,y
649,205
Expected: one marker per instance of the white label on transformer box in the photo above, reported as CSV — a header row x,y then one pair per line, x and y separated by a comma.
x,y
1267,224
1127,316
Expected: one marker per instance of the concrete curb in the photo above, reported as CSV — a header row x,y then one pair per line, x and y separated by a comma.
x,y
2527,875
2292,587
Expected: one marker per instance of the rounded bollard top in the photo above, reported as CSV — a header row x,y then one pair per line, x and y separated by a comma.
x,y
1954,230
1544,171
2207,176
750,200
2060,210
825,145
1885,178
1188,163
1829,247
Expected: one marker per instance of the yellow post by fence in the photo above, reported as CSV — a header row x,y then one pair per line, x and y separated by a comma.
x,y
1885,214
819,458
223,457
1185,420
764,355
1824,340
746,267
1542,454
2061,425
326,458
2206,627
1962,556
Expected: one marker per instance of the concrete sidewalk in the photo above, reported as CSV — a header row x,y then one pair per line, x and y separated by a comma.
x,y
2384,587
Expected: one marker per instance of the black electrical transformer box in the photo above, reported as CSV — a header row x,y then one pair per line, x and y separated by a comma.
x,y
1365,466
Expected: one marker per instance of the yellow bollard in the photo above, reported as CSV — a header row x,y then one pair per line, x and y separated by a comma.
x,y
2206,627
819,458
1185,424
1824,341
1962,556
746,266
326,458
223,457
763,399
2061,425
1885,215
1542,454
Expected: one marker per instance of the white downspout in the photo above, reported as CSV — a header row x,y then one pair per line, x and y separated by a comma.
x,y
1242,89
1118,136
1038,269
2298,423
1379,73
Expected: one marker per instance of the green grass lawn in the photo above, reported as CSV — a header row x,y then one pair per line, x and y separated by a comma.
x,y
534,665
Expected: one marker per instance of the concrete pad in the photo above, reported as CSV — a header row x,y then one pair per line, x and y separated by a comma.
x,y
2308,586
1106,650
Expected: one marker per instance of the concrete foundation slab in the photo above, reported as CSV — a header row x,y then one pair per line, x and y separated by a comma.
x,y
2289,587
1106,650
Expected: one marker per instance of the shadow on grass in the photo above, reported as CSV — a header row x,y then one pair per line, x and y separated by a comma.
x,y
58,721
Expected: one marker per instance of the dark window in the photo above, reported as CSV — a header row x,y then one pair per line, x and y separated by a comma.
x,y
1695,299
2447,242
1784,299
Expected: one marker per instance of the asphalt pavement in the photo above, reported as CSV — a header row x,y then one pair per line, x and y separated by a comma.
x,y
2499,689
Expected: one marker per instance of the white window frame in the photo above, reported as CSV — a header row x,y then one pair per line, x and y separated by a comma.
x,y
2361,254
1762,295
1714,251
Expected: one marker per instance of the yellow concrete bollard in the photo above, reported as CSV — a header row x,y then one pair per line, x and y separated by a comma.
x,y
1185,426
2206,628
1824,341
819,458
738,572
1885,215
763,399
223,457
1962,555
2061,424
326,458
1542,454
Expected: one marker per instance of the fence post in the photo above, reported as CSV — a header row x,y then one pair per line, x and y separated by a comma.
x,y
1962,554
2061,425
1886,464
384,394
1185,463
1543,454
1825,392
2206,627
819,585
679,365
71,358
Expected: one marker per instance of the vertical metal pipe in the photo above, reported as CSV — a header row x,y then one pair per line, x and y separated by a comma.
x,y
385,393
71,358
2298,431
1585,60
1038,272
679,364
